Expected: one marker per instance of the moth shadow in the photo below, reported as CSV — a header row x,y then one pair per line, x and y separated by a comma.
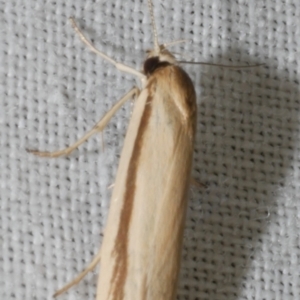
x,y
244,149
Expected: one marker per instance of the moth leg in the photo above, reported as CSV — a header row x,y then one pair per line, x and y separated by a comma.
x,y
75,281
97,128
119,66
197,183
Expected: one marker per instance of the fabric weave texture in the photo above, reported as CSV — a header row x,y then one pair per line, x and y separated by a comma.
x,y
241,238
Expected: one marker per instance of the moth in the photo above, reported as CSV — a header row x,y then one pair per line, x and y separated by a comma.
x,y
140,254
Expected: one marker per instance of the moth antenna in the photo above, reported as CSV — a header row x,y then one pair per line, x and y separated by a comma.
x,y
154,31
166,45
233,67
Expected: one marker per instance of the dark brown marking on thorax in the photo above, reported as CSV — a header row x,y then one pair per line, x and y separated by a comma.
x,y
122,238
152,64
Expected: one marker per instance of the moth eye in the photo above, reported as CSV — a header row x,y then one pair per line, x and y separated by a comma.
x,y
150,65
153,63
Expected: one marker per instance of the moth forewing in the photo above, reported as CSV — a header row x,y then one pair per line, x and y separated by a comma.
x,y
142,242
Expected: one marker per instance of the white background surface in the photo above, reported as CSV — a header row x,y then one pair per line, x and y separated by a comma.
x,y
242,232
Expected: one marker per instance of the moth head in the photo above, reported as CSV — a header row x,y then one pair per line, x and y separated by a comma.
x,y
162,53
158,58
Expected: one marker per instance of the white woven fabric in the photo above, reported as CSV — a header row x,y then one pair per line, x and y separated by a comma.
x,y
242,231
